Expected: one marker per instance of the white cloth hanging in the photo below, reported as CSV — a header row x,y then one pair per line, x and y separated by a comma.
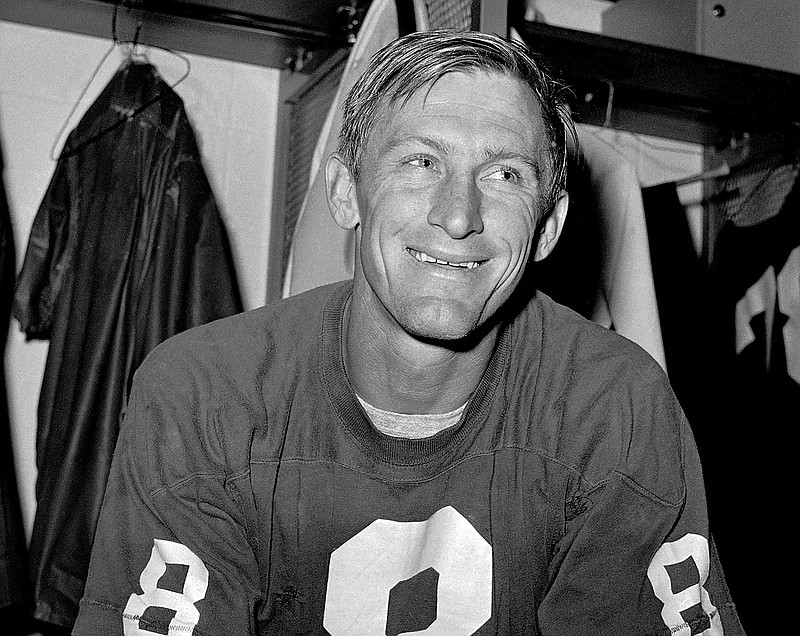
x,y
321,251
627,299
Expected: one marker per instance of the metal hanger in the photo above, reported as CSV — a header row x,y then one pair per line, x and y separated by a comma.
x,y
721,170
132,55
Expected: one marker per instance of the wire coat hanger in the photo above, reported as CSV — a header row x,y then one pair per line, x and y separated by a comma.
x,y
721,170
136,33
609,104
130,58
134,44
421,15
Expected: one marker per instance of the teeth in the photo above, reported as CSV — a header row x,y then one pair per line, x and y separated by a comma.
x,y
422,257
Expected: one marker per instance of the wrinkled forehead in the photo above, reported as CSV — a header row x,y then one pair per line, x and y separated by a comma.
x,y
397,96
472,97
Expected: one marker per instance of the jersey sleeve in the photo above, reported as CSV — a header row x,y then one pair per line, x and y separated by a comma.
x,y
636,559
172,553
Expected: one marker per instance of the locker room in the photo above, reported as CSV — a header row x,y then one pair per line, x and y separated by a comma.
x,y
683,233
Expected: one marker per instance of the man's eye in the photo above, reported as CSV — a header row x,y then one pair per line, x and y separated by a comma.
x,y
509,175
421,162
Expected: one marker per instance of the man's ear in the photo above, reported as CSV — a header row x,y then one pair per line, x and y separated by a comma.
x,y
341,191
552,227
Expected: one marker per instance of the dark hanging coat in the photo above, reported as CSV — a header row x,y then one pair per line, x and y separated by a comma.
x,y
126,250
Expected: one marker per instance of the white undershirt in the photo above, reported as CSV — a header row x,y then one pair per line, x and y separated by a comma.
x,y
411,425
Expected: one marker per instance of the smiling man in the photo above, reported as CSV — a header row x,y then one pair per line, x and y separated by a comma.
x,y
432,447
447,195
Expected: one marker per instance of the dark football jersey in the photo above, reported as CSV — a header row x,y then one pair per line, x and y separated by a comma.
x,y
250,494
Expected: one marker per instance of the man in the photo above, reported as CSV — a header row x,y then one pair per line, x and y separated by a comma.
x,y
433,447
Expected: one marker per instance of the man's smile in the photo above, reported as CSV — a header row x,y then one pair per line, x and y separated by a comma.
x,y
422,257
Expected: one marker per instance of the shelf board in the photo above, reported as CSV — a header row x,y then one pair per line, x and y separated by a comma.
x,y
665,92
268,36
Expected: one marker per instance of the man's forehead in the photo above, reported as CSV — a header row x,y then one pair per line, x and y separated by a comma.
x,y
496,98
402,95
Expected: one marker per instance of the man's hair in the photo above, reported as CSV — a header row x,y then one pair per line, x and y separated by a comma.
x,y
419,59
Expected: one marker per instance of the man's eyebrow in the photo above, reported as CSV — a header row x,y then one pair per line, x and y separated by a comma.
x,y
431,142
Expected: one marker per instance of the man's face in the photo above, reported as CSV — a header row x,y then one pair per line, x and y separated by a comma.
x,y
447,203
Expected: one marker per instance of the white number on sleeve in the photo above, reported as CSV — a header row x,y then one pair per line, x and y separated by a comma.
x,y
182,603
691,548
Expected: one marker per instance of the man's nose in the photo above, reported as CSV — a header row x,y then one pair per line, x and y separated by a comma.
x,y
457,207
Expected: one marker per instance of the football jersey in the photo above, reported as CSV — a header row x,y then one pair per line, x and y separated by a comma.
x,y
250,493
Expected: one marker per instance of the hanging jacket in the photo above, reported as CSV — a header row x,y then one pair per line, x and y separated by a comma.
x,y
127,249
753,349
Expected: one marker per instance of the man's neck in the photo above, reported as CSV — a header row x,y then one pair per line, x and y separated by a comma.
x,y
395,371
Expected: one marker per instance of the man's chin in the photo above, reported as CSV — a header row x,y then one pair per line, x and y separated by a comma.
x,y
453,326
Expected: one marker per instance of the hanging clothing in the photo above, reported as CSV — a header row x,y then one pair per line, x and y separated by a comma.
x,y
679,278
573,271
127,249
626,297
14,579
321,251
754,343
